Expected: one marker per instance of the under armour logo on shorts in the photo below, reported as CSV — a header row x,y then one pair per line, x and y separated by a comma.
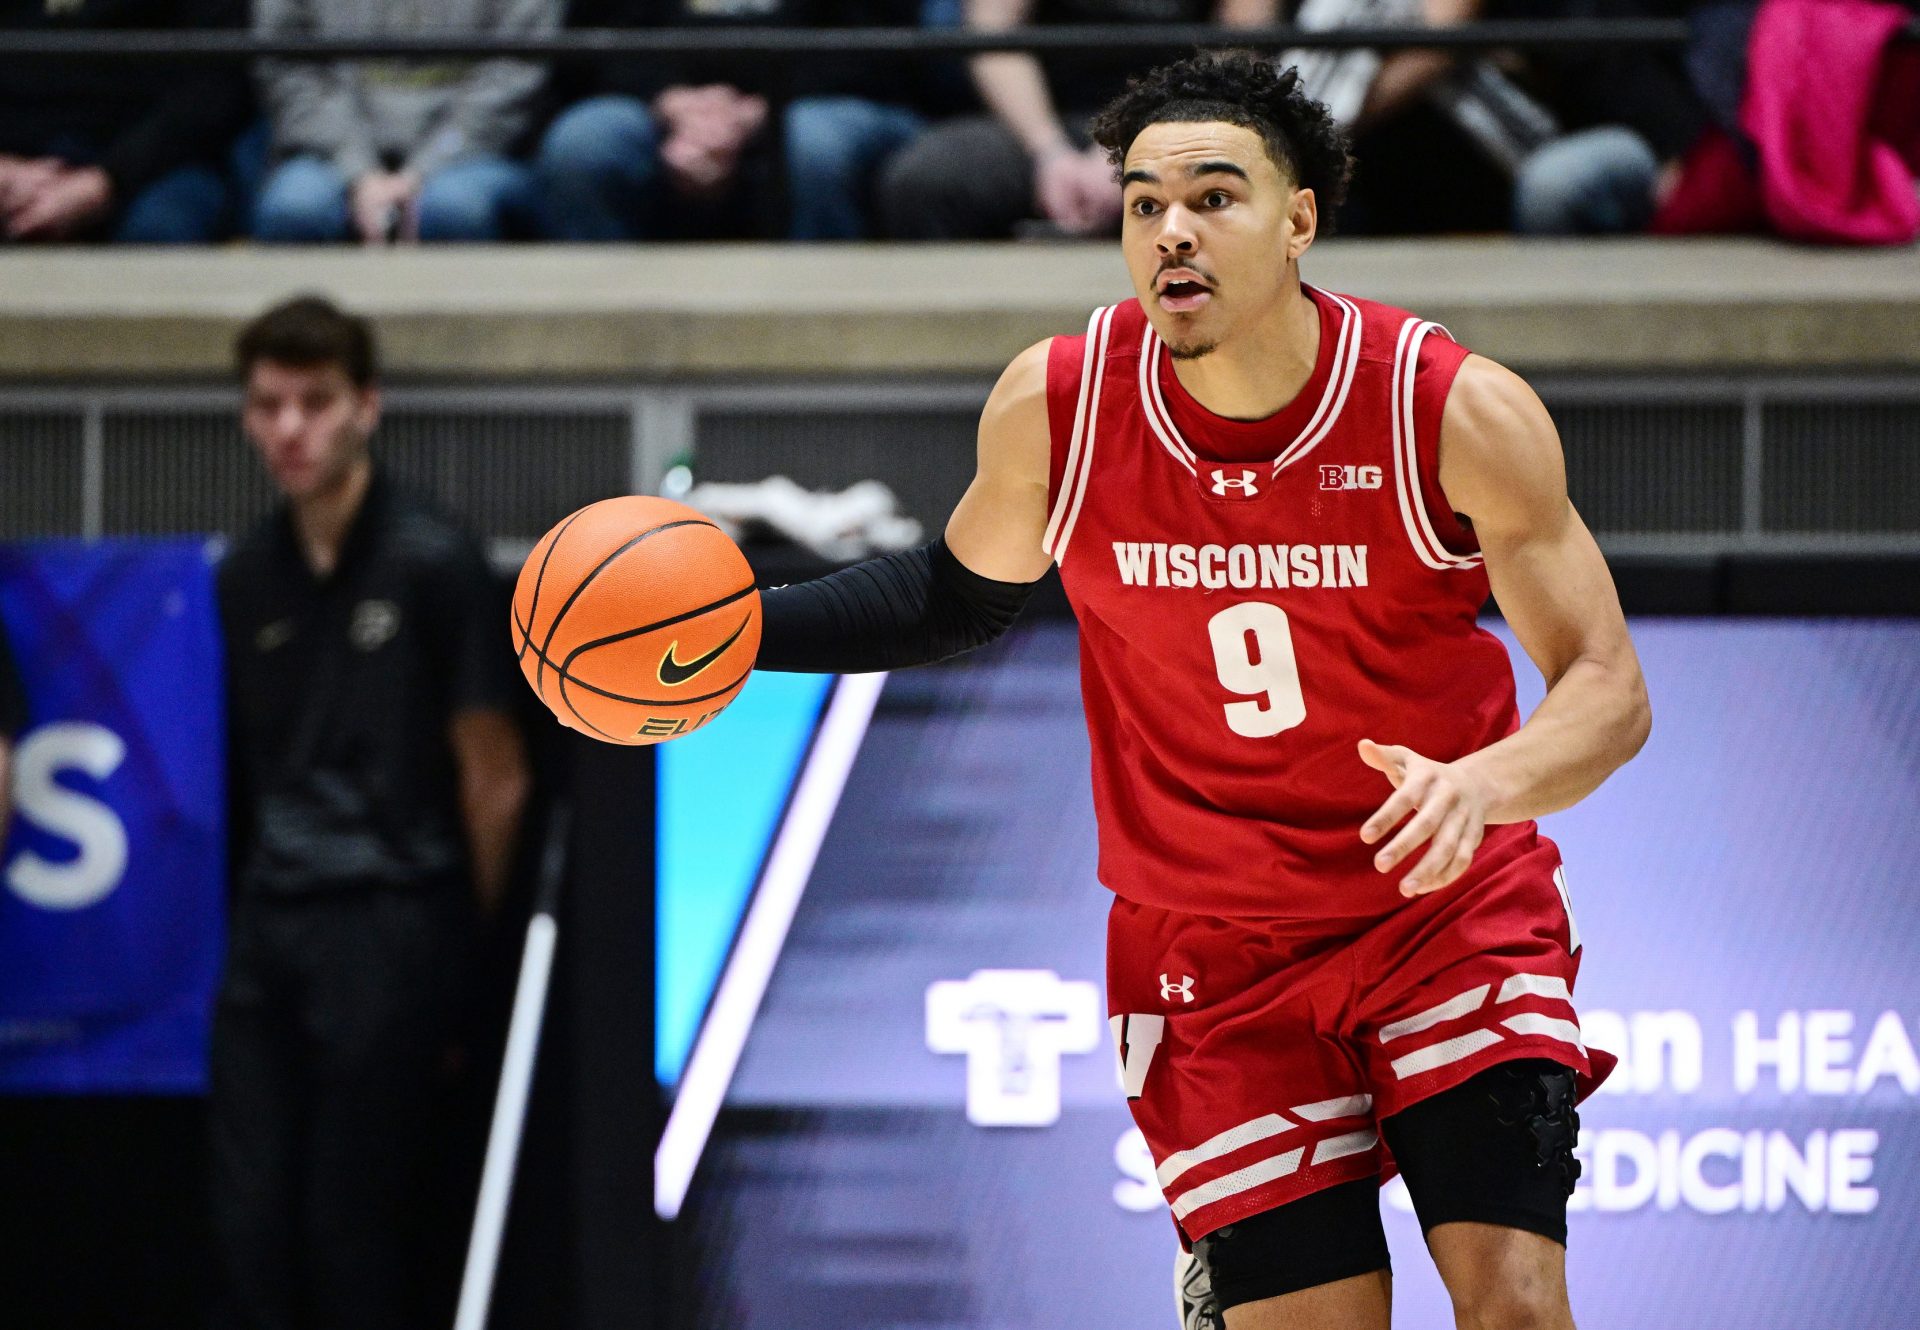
x,y
1184,988
1223,484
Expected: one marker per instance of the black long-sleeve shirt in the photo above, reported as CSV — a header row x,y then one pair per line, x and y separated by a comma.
x,y
136,119
1646,90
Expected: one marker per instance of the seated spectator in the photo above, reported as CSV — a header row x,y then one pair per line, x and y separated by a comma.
x,y
117,149
1452,142
679,148
1439,134
1632,115
980,177
381,151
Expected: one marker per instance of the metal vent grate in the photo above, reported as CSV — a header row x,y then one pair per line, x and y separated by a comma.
x,y
1660,463
1842,467
42,480
510,473
1653,467
179,471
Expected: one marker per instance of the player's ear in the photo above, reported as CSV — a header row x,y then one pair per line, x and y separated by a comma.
x,y
1303,216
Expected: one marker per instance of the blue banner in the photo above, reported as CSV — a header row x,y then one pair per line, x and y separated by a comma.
x,y
113,882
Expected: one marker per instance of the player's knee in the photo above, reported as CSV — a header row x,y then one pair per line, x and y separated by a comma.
x,y
1508,1290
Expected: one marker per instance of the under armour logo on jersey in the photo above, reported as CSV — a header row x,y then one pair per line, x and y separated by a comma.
x,y
1223,483
1350,477
1184,988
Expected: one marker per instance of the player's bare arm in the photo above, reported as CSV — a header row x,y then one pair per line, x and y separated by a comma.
x,y
960,592
998,526
1501,466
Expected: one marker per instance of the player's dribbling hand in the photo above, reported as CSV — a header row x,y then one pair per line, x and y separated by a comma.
x,y
1449,806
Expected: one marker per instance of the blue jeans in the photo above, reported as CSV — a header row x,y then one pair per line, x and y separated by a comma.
x,y
599,164
1596,182
835,146
596,165
480,198
189,206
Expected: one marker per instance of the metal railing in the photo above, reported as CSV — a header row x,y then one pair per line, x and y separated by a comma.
x,y
794,43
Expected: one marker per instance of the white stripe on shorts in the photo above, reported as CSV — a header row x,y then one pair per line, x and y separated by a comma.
x,y
1246,1179
1534,985
1339,1147
1445,1052
1425,1020
1528,1022
1346,1106
1233,1138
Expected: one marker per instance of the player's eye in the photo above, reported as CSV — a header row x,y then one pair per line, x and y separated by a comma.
x,y
1217,198
1145,207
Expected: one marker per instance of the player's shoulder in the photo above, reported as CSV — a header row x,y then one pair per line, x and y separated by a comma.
x,y
1386,333
420,532
421,518
1112,333
1490,401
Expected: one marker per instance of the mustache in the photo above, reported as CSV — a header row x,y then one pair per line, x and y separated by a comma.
x,y
1166,268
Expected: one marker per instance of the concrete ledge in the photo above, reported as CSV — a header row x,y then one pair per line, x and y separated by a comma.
x,y
555,312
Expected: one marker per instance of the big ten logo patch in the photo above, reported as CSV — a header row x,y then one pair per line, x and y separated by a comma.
x,y
1350,478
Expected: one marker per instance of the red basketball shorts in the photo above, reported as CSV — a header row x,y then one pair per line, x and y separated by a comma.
x,y
1259,1056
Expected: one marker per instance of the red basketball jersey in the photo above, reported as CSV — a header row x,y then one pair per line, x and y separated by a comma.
x,y
1254,598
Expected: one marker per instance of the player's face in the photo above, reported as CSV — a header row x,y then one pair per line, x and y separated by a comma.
x,y
309,423
1211,224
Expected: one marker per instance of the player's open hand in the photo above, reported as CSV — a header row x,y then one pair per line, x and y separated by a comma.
x,y
1449,807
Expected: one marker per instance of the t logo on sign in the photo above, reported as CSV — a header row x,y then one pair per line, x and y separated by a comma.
x,y
1013,1025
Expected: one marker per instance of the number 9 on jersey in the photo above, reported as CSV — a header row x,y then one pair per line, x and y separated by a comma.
x,y
1253,654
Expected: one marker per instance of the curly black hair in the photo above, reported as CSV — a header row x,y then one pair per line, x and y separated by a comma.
x,y
1241,88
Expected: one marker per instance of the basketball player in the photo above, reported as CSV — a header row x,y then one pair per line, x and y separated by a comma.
x,y
1338,944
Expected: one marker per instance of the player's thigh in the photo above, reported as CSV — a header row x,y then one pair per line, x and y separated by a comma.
x,y
1317,1261
1495,1149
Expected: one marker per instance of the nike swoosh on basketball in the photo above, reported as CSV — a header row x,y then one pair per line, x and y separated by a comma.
x,y
673,672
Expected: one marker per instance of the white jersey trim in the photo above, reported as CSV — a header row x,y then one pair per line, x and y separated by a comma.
x,y
1406,458
1074,476
1333,398
1331,402
1153,408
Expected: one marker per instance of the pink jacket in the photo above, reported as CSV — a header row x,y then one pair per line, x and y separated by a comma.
x,y
1832,107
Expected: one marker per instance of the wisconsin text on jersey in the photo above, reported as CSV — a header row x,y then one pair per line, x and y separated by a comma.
x,y
1156,563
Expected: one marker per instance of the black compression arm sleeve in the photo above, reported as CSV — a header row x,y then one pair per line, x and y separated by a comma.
x,y
910,608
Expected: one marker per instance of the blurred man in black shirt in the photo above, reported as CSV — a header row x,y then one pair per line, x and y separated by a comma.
x,y
377,783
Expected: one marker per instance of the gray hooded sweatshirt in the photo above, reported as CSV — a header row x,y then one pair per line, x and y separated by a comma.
x,y
362,115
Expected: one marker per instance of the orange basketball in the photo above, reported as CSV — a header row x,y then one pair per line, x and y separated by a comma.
x,y
636,620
